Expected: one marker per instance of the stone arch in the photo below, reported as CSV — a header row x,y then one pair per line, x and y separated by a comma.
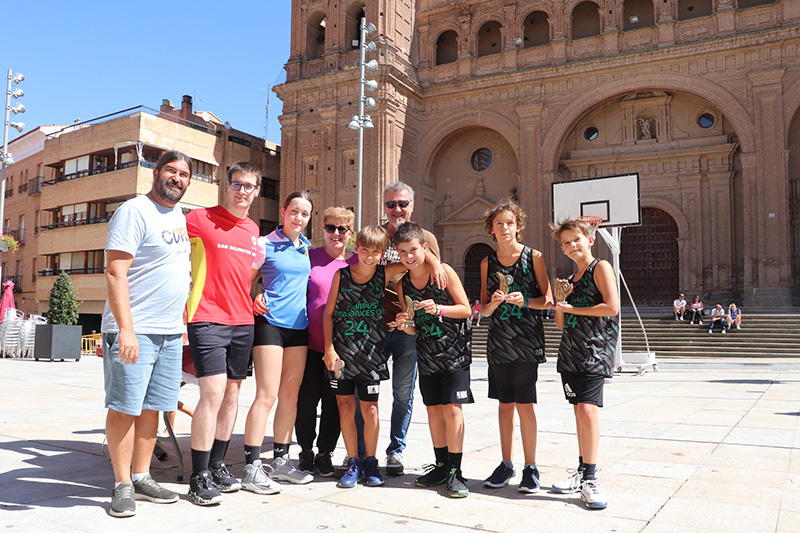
x,y
435,35
692,9
315,35
791,105
471,255
431,142
352,24
569,117
534,21
586,20
643,10
489,39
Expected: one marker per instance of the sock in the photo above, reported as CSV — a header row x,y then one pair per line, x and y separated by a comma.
x,y
454,460
532,465
251,454
441,455
280,449
218,451
589,471
118,483
138,477
580,463
199,461
509,464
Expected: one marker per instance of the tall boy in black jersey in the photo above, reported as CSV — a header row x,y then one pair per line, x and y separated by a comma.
x,y
444,353
354,334
513,283
590,322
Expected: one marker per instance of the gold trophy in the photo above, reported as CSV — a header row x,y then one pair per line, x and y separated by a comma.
x,y
505,281
411,307
561,288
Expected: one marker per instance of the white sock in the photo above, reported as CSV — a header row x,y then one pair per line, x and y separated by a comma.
x,y
136,477
118,483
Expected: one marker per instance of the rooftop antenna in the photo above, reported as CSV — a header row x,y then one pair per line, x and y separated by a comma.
x,y
266,117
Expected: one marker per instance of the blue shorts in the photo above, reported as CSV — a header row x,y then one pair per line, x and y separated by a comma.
x,y
153,382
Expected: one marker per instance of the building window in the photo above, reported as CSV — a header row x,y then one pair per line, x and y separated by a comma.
x,y
706,120
481,159
591,133
585,20
269,189
537,29
489,39
447,48
692,9
315,38
267,226
202,171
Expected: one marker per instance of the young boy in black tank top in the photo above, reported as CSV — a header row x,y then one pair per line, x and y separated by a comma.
x,y
513,283
444,345
590,322
354,333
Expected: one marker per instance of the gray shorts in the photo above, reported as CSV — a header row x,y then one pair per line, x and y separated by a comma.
x,y
153,382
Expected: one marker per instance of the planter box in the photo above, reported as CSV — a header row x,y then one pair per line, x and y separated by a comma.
x,y
57,342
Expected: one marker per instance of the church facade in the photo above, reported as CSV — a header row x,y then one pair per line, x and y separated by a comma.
x,y
482,99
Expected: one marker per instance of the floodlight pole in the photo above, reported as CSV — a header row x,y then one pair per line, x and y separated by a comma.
x,y
361,76
5,156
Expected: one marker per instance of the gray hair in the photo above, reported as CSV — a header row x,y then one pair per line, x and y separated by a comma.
x,y
398,186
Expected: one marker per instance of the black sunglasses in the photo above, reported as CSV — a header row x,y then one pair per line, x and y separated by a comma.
x,y
330,228
391,204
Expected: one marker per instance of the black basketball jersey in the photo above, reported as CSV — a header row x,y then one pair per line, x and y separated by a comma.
x,y
515,333
358,329
444,344
588,343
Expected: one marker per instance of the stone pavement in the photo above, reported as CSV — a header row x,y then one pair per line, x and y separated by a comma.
x,y
707,444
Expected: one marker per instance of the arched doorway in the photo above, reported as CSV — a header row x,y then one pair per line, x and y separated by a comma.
x,y
472,269
649,259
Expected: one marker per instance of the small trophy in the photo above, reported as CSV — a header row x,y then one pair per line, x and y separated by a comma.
x,y
411,307
561,290
505,281
337,368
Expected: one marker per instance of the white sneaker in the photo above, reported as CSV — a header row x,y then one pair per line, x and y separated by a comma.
x,y
255,479
284,470
738,326
592,496
569,484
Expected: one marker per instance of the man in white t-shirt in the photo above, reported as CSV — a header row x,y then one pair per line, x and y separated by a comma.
x,y
147,278
679,307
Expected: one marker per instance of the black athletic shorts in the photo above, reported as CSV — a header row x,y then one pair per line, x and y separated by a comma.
x,y
583,388
513,382
443,389
368,390
220,349
271,335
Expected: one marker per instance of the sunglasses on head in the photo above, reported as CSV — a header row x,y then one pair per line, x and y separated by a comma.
x,y
236,186
391,204
330,228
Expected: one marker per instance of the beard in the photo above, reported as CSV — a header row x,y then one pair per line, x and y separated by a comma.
x,y
169,190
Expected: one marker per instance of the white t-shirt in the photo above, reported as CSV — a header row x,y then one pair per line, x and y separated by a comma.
x,y
679,303
160,274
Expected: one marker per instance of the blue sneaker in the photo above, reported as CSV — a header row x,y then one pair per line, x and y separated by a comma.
x,y
353,474
372,472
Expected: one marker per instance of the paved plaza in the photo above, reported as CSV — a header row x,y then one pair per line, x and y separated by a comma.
x,y
705,444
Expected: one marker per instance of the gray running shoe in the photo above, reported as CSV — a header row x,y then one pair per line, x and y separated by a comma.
x,y
569,484
255,479
122,500
456,484
224,480
147,489
284,470
394,464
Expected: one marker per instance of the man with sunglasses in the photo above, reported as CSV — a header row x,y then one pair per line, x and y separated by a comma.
x,y
220,325
398,203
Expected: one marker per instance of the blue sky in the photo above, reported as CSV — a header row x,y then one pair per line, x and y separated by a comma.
x,y
87,58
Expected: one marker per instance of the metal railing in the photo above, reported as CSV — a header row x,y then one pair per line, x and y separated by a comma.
x,y
79,222
49,272
19,236
35,185
98,170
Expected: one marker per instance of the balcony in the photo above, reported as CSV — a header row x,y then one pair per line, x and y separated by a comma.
x,y
23,187
17,282
35,185
49,272
9,193
19,236
71,223
99,170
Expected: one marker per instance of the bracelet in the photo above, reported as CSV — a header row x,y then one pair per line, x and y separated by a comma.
x,y
436,310
441,311
526,300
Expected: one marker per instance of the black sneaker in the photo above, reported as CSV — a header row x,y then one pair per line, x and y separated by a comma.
x,y
122,500
456,484
324,465
224,480
530,481
202,490
434,475
500,476
306,461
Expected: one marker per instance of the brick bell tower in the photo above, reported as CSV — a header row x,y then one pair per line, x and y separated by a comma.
x,y
318,152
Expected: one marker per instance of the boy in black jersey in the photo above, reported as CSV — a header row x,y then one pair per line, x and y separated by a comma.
x,y
513,283
590,322
354,334
444,344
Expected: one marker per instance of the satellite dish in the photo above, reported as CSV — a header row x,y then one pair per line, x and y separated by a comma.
x,y
227,125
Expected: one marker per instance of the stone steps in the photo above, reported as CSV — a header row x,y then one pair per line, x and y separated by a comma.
x,y
762,335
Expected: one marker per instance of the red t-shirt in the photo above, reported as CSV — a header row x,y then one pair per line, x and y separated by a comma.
x,y
223,249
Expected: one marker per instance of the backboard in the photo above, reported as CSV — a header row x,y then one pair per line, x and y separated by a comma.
x,y
615,198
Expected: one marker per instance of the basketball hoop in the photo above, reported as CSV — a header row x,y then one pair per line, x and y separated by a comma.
x,y
594,221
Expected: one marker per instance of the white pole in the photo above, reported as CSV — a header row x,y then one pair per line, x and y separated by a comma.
x,y
361,74
5,157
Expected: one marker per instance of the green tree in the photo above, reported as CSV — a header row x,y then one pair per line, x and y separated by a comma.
x,y
63,305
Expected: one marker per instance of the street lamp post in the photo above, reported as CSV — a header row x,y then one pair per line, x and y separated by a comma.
x,y
361,121
5,157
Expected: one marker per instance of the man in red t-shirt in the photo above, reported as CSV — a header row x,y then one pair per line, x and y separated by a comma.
x,y
220,326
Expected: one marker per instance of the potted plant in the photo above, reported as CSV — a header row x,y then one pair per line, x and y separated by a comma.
x,y
61,337
8,242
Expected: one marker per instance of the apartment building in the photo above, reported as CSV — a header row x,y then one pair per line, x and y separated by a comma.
x,y
87,170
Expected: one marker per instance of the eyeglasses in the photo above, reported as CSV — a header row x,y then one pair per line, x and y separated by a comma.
x,y
391,204
248,187
330,228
